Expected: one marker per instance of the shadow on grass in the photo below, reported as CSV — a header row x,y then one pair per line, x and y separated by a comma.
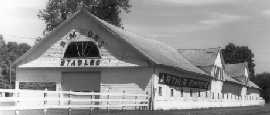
x,y
252,110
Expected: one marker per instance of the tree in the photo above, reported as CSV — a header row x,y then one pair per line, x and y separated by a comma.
x,y
9,52
263,80
57,11
2,42
238,54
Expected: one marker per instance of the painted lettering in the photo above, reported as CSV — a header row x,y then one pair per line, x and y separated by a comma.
x,y
79,62
92,62
62,62
97,62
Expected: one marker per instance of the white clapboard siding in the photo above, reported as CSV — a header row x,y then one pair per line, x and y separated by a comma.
x,y
127,88
124,90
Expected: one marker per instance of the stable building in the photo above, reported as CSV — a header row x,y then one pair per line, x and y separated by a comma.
x,y
242,85
87,54
231,80
211,62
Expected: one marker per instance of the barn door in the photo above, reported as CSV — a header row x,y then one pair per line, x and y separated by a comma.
x,y
81,81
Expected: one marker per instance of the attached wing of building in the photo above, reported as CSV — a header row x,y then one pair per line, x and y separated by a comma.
x,y
239,72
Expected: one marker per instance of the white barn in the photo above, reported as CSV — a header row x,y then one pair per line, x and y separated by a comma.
x,y
85,54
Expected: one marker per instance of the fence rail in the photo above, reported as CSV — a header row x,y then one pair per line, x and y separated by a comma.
x,y
207,99
38,99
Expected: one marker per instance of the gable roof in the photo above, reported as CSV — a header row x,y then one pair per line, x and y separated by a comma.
x,y
236,70
155,51
228,78
200,57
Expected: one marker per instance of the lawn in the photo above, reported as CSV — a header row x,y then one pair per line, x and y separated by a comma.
x,y
254,110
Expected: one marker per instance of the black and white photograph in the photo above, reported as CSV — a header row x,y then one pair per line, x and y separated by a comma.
x,y
134,57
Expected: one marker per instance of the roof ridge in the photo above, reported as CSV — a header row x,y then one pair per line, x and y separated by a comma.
x,y
104,23
243,63
198,48
44,38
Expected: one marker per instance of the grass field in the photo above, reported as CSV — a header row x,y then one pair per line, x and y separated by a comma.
x,y
255,110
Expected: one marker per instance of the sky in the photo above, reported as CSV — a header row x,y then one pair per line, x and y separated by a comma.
x,y
180,23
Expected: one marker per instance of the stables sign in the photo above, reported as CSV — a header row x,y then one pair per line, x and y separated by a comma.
x,y
79,62
172,80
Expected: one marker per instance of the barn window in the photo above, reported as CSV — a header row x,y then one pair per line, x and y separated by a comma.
x,y
182,92
161,77
160,91
222,73
38,85
171,92
190,91
82,49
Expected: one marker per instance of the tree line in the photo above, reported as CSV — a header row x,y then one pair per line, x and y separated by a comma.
x,y
9,52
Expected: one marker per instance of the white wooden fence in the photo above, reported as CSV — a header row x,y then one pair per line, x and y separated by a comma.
x,y
38,99
198,100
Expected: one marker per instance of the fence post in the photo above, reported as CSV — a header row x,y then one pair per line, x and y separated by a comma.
x,y
59,97
148,102
91,102
69,102
17,112
17,95
136,102
108,98
45,101
123,99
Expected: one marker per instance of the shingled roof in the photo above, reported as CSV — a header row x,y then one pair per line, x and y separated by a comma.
x,y
157,52
237,72
202,58
228,78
